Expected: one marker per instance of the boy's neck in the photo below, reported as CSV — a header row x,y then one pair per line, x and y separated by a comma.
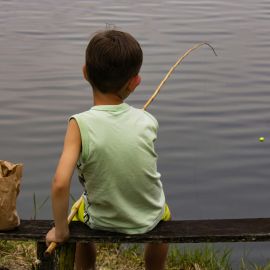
x,y
106,99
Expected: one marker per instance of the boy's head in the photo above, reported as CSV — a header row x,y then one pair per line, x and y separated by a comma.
x,y
112,59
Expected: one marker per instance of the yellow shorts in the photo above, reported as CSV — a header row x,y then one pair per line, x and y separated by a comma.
x,y
80,215
167,213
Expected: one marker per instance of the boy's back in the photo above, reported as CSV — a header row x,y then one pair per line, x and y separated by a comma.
x,y
118,165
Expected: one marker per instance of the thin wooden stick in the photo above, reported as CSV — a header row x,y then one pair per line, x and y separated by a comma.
x,y
73,212
173,68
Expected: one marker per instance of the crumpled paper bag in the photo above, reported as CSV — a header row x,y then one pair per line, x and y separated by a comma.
x,y
10,179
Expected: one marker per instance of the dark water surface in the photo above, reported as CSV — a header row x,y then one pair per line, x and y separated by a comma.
x,y
211,111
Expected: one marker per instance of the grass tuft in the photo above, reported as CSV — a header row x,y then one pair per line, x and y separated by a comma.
x,y
17,254
21,255
199,259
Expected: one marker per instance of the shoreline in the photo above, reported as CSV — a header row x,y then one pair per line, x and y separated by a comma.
x,y
21,255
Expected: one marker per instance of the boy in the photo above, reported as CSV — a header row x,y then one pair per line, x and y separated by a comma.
x,y
112,145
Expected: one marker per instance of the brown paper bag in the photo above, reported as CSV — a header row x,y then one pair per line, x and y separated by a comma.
x,y
10,178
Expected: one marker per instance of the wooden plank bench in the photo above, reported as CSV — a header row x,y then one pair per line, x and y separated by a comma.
x,y
185,231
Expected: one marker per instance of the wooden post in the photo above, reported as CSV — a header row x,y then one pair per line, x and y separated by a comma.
x,y
43,262
62,259
65,256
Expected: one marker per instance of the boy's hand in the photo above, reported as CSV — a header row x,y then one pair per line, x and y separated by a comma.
x,y
57,237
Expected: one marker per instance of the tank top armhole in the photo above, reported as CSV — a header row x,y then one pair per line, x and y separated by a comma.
x,y
84,137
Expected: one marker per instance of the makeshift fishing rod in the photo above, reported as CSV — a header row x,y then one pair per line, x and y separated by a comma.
x,y
73,212
77,204
173,68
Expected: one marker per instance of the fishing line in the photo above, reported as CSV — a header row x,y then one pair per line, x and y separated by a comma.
x,y
149,101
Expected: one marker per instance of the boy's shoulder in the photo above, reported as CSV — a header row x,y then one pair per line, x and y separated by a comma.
x,y
147,115
79,114
152,117
82,118
82,113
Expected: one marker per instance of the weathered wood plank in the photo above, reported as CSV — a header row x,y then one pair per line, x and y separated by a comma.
x,y
185,231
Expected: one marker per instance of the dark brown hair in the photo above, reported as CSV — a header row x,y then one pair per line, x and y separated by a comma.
x,y
112,58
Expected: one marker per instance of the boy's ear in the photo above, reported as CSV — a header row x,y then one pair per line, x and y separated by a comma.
x,y
134,82
84,72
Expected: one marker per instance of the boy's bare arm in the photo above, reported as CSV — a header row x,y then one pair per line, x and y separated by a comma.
x,y
61,183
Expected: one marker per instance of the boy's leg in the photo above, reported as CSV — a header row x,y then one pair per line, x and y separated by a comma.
x,y
155,255
85,257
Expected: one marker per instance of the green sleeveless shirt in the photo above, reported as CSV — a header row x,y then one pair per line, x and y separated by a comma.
x,y
118,168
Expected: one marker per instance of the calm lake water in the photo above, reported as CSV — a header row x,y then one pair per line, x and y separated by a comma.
x,y
211,111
